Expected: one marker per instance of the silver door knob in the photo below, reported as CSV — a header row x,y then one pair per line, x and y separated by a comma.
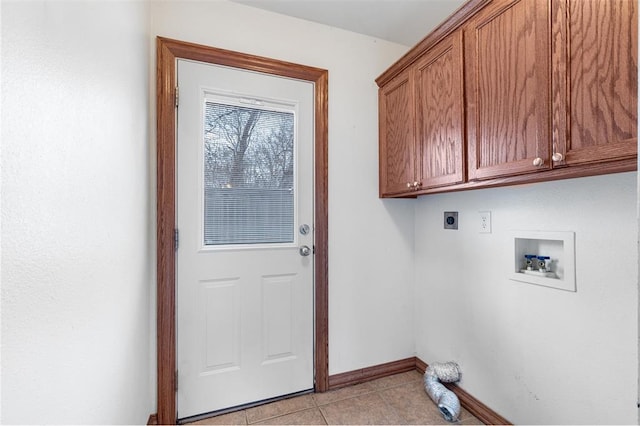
x,y
538,162
557,156
305,251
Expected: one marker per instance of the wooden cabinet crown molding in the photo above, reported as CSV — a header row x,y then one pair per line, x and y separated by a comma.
x,y
453,22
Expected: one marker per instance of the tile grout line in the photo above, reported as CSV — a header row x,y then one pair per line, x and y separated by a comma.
x,y
326,422
283,414
372,389
261,421
368,392
391,407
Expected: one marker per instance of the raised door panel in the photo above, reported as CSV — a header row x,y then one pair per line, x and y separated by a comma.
x,y
595,80
508,80
440,114
397,135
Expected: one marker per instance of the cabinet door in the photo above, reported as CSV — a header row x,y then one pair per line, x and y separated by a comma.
x,y
595,80
508,83
440,114
397,135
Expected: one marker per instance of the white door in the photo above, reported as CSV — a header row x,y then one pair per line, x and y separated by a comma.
x,y
245,218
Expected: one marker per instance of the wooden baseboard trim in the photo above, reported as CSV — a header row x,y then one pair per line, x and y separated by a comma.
x,y
471,404
371,373
485,414
153,419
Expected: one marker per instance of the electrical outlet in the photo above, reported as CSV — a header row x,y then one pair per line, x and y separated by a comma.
x,y
484,222
450,220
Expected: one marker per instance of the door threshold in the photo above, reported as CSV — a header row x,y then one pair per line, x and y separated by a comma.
x,y
210,414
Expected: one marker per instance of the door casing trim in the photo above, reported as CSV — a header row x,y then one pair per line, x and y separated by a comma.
x,y
168,51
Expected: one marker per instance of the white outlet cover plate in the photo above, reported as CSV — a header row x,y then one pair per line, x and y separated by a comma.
x,y
484,222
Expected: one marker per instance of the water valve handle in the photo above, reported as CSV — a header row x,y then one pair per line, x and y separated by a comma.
x,y
529,262
542,262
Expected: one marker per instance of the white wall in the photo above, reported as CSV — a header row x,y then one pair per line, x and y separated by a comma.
x,y
535,355
75,280
370,241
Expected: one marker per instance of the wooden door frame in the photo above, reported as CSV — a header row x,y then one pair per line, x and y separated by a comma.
x,y
168,51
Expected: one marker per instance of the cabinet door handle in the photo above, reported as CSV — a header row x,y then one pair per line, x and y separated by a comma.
x,y
557,156
415,185
538,161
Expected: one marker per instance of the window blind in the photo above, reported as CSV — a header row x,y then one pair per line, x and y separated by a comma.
x,y
249,175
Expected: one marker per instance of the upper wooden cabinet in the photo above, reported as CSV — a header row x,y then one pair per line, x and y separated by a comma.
x,y
397,155
440,114
595,80
507,53
422,123
517,91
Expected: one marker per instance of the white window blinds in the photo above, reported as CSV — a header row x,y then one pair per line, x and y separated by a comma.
x,y
248,175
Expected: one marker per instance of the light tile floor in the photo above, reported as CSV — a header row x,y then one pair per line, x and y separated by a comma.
x,y
399,399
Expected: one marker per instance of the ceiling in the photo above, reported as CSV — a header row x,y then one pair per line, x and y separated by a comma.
x,y
401,21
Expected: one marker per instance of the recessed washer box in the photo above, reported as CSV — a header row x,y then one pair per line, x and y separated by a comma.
x,y
558,246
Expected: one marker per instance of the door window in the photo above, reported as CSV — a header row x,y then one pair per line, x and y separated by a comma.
x,y
249,168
